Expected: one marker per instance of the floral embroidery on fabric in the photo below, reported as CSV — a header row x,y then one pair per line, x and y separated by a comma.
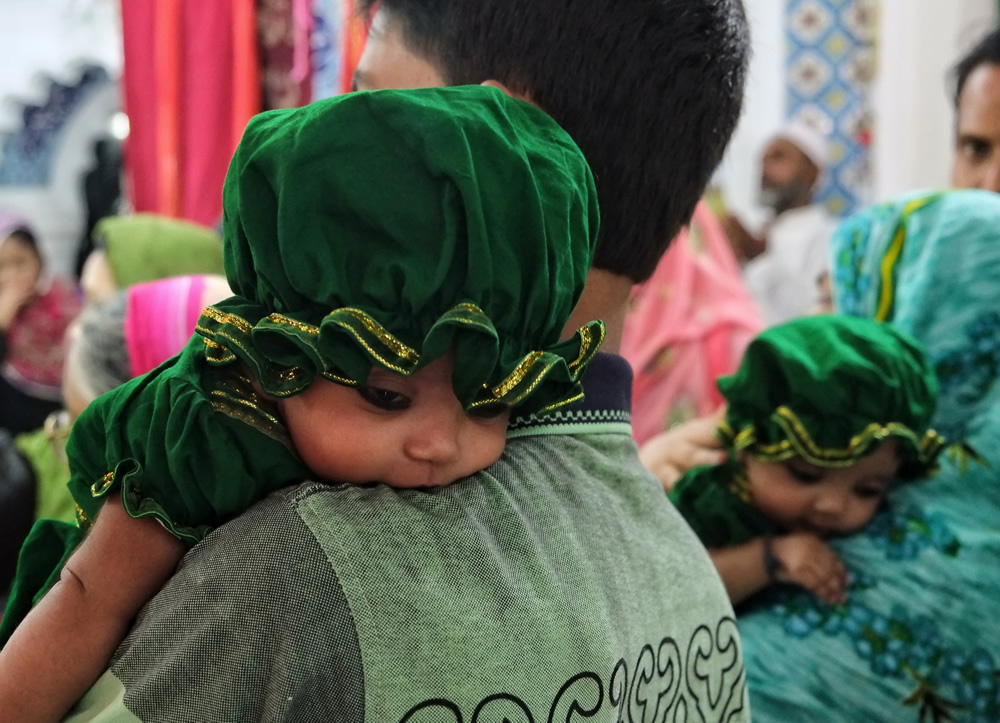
x,y
966,373
946,680
903,534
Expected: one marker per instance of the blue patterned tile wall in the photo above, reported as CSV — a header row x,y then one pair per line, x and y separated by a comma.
x,y
829,66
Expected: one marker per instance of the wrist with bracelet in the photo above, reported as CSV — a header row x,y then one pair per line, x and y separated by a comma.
x,y
772,565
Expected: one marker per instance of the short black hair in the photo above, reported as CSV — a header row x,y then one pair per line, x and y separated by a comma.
x,y
985,52
650,90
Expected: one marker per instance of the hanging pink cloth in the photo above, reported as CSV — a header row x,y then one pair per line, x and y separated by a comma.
x,y
687,325
191,82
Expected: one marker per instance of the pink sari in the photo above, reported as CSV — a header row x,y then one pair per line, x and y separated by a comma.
x,y
686,326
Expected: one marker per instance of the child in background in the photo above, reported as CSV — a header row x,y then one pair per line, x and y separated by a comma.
x,y
404,263
824,413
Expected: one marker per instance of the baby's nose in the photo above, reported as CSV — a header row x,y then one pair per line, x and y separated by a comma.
x,y
434,438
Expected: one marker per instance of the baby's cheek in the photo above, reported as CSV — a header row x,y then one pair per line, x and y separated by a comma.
x,y
490,444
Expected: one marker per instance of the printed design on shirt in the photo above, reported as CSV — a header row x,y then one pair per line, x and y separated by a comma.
x,y
948,683
702,680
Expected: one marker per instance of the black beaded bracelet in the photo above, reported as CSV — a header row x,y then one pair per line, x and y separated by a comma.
x,y
771,563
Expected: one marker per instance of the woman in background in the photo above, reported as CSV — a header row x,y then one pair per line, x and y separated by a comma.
x,y
687,325
35,311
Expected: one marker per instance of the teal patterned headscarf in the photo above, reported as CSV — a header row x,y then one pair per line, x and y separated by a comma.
x,y
924,263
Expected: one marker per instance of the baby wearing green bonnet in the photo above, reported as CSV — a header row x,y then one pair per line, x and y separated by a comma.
x,y
824,415
404,264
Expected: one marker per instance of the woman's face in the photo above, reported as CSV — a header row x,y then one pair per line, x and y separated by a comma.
x,y
20,265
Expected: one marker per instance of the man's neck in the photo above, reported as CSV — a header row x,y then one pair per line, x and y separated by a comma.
x,y
604,297
800,202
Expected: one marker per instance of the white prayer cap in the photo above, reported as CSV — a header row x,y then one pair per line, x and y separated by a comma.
x,y
807,139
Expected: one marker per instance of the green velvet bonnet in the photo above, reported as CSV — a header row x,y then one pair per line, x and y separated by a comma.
x,y
386,228
830,389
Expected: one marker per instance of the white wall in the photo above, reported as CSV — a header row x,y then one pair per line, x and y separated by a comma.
x,y
918,43
53,39
763,109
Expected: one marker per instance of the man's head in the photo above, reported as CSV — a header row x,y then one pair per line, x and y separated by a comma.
x,y
977,123
791,166
649,89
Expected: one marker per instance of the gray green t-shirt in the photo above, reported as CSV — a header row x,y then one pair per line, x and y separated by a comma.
x,y
558,585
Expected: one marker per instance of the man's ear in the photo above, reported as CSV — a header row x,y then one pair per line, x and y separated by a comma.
x,y
520,96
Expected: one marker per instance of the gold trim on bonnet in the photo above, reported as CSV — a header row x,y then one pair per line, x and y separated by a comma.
x,y
82,521
365,330
395,345
223,318
301,326
587,342
517,376
799,442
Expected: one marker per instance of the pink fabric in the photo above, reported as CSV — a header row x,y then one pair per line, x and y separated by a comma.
x,y
687,325
191,82
160,317
303,17
36,348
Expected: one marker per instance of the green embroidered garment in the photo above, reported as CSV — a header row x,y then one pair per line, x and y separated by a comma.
x,y
715,501
372,229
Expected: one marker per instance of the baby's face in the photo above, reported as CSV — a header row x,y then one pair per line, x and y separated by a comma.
x,y
800,496
401,431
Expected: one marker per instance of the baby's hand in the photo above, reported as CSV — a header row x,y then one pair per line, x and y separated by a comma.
x,y
808,561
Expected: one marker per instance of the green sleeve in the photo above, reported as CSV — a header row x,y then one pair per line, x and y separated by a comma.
x,y
189,444
718,515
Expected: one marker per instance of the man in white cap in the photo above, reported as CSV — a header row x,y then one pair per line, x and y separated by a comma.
x,y
784,264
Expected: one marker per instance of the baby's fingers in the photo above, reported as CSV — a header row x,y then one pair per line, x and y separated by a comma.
x,y
834,583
